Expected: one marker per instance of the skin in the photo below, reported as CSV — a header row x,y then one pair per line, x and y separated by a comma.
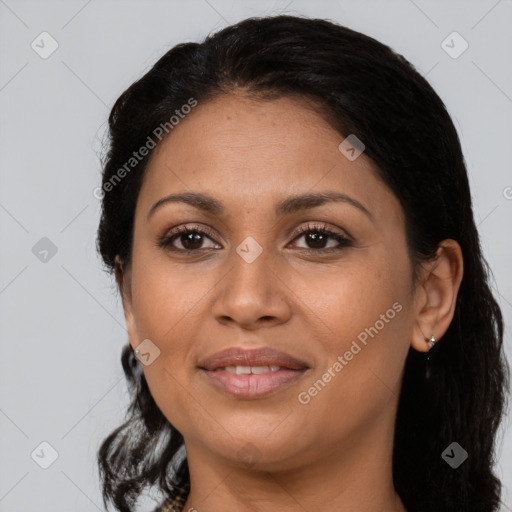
x,y
336,450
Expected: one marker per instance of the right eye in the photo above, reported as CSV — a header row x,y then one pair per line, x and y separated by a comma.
x,y
191,239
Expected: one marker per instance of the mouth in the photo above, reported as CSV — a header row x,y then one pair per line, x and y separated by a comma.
x,y
251,374
247,370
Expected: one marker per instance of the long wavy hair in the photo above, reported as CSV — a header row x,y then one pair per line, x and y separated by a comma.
x,y
365,88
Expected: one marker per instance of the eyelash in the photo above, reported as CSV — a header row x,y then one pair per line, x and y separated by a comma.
x,y
167,240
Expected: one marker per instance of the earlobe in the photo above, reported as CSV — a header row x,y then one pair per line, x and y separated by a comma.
x,y
423,343
436,296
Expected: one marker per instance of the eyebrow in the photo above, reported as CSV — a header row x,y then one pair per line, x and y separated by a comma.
x,y
287,206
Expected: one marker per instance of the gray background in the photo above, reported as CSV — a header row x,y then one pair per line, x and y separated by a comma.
x,y
62,326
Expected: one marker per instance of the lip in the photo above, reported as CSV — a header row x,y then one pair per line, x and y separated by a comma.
x,y
264,356
252,386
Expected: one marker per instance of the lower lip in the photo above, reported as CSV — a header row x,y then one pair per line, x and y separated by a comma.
x,y
250,386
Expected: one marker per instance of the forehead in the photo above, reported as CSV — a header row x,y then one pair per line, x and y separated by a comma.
x,y
248,152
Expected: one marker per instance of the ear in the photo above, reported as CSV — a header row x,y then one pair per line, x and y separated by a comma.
x,y
436,294
123,279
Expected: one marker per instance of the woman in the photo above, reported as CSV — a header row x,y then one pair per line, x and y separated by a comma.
x,y
287,212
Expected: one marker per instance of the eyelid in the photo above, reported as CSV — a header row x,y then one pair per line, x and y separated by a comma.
x,y
320,226
165,238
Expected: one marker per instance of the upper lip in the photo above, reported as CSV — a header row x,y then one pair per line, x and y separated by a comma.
x,y
265,356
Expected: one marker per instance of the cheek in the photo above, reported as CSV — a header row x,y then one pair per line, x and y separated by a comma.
x,y
167,308
363,309
345,299
167,296
359,381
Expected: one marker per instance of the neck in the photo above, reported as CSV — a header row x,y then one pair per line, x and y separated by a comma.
x,y
357,476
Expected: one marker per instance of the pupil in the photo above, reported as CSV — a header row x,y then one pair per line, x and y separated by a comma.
x,y
188,240
316,238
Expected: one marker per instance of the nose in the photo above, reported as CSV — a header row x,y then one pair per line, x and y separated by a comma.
x,y
252,295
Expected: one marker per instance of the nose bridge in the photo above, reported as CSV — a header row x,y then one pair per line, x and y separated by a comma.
x,y
250,272
251,255
251,291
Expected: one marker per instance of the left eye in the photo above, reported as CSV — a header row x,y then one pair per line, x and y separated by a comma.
x,y
317,237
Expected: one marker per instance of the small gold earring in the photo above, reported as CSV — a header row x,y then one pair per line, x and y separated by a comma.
x,y
431,341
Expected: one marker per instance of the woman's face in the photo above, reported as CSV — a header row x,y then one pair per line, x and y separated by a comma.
x,y
342,311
